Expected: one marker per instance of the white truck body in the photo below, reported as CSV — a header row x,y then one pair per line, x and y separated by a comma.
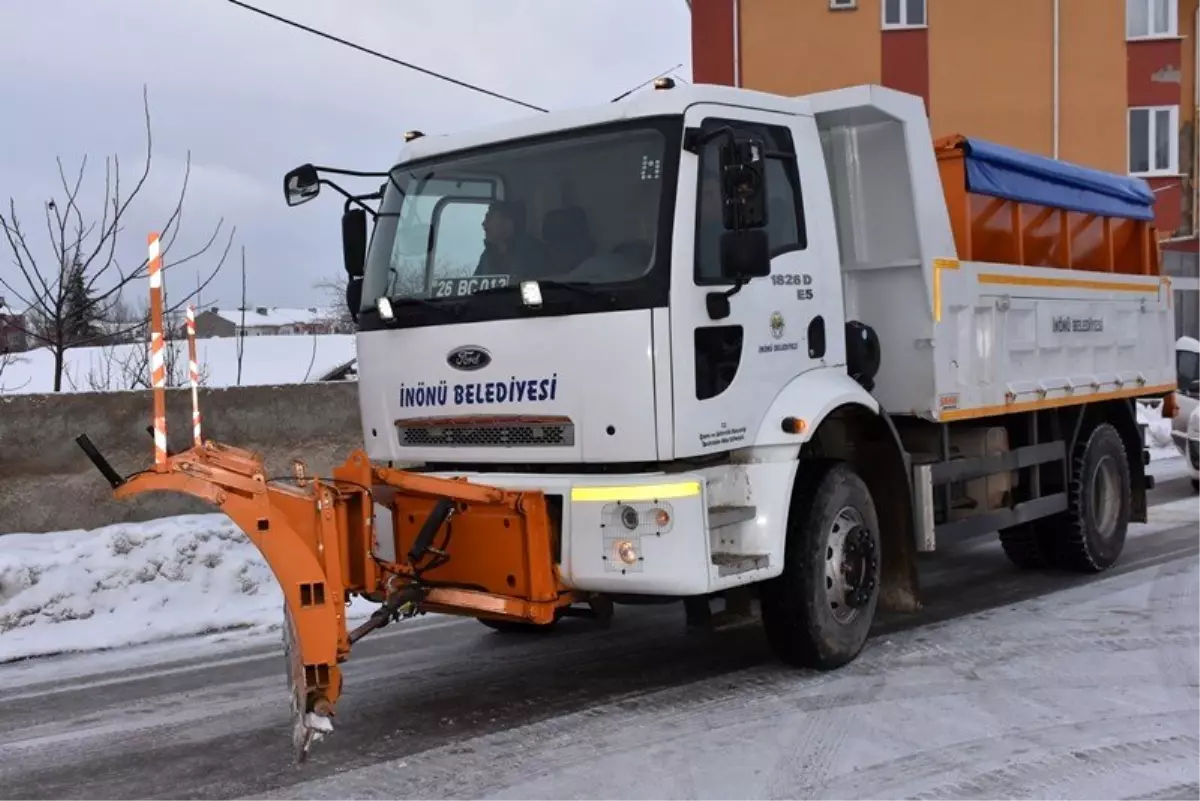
x,y
960,340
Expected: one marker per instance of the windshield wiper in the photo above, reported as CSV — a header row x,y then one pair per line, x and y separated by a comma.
x,y
582,287
452,309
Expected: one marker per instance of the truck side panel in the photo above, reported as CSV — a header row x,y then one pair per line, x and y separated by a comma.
x,y
1014,338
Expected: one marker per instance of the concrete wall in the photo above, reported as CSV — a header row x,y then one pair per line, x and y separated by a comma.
x,y
47,483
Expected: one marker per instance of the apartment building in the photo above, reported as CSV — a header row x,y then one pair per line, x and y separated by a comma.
x,y
1110,84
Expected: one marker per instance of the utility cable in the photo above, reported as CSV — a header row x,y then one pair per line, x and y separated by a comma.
x,y
384,56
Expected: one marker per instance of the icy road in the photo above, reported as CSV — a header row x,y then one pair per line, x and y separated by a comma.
x,y
1008,684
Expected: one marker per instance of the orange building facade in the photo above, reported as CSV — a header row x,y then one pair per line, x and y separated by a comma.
x,y
1109,84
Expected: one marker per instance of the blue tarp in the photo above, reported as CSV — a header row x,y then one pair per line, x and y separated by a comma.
x,y
1011,174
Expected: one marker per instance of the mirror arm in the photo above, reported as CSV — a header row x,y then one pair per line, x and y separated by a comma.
x,y
357,200
351,173
717,303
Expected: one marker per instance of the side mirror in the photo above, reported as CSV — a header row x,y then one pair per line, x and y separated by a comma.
x,y
301,185
745,254
743,184
354,287
354,241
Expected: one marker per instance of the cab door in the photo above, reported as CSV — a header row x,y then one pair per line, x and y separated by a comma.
x,y
727,371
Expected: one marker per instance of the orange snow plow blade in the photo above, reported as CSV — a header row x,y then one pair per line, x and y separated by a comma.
x,y
460,548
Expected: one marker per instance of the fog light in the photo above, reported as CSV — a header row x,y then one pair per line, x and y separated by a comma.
x,y
661,517
627,552
629,517
384,306
531,293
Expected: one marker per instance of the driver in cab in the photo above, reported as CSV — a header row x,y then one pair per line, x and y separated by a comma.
x,y
507,249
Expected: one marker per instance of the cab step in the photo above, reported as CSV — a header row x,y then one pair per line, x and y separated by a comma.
x,y
730,564
722,516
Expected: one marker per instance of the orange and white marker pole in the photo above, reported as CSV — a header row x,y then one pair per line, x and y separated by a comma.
x,y
193,374
158,369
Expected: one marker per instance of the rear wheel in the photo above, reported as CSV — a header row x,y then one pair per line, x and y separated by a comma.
x,y
818,612
1090,535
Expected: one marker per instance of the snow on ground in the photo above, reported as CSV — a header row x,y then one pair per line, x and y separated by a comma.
x,y
1158,431
266,360
134,583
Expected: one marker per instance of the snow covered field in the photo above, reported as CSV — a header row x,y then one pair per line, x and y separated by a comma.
x,y
266,360
134,583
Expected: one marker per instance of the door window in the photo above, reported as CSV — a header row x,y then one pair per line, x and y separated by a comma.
x,y
785,207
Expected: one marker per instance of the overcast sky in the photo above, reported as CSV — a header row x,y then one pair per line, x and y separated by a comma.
x,y
252,98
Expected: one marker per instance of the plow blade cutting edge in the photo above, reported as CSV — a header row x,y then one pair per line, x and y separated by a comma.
x,y
461,548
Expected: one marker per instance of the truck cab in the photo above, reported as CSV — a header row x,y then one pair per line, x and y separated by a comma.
x,y
644,345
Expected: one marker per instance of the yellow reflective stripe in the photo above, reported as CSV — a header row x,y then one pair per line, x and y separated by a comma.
x,y
638,492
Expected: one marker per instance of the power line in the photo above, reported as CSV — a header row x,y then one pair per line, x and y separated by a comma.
x,y
385,57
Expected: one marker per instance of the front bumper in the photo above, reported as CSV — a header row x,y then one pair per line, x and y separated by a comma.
x,y
643,534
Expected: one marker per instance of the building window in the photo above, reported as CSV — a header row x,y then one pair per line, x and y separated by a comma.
x,y
1151,19
904,14
1154,140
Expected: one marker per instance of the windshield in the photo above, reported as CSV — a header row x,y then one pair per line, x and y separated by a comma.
x,y
583,206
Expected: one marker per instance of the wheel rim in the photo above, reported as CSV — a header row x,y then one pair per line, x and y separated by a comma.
x,y
1106,497
849,565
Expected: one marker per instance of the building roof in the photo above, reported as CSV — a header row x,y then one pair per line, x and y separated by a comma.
x,y
274,316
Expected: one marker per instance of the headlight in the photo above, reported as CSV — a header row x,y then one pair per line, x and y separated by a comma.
x,y
625,525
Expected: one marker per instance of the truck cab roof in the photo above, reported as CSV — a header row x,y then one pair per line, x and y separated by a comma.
x,y
651,103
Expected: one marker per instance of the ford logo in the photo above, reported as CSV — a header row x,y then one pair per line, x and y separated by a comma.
x,y
469,357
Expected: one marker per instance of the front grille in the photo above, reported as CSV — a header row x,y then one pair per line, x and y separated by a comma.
x,y
474,433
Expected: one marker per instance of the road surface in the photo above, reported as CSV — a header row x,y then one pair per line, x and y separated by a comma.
x,y
1007,684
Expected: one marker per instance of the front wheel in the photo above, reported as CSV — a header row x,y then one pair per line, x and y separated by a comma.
x,y
818,612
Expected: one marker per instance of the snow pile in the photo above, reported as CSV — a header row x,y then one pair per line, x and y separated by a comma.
x,y
134,583
266,360
1158,430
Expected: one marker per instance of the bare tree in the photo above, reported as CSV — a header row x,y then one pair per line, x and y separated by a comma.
x,y
124,366
408,283
334,290
241,332
83,281
7,359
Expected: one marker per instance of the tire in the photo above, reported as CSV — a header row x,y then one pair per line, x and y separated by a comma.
x,y
1090,535
1024,545
832,520
1196,485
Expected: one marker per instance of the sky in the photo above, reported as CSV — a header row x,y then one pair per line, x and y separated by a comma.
x,y
251,98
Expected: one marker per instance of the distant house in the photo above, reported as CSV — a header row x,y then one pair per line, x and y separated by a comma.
x,y
12,330
267,321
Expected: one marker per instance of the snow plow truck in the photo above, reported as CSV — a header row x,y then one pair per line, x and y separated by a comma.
x,y
713,346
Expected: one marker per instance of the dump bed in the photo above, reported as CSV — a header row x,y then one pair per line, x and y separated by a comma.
x,y
997,280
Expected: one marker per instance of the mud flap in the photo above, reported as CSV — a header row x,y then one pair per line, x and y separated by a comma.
x,y
307,726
